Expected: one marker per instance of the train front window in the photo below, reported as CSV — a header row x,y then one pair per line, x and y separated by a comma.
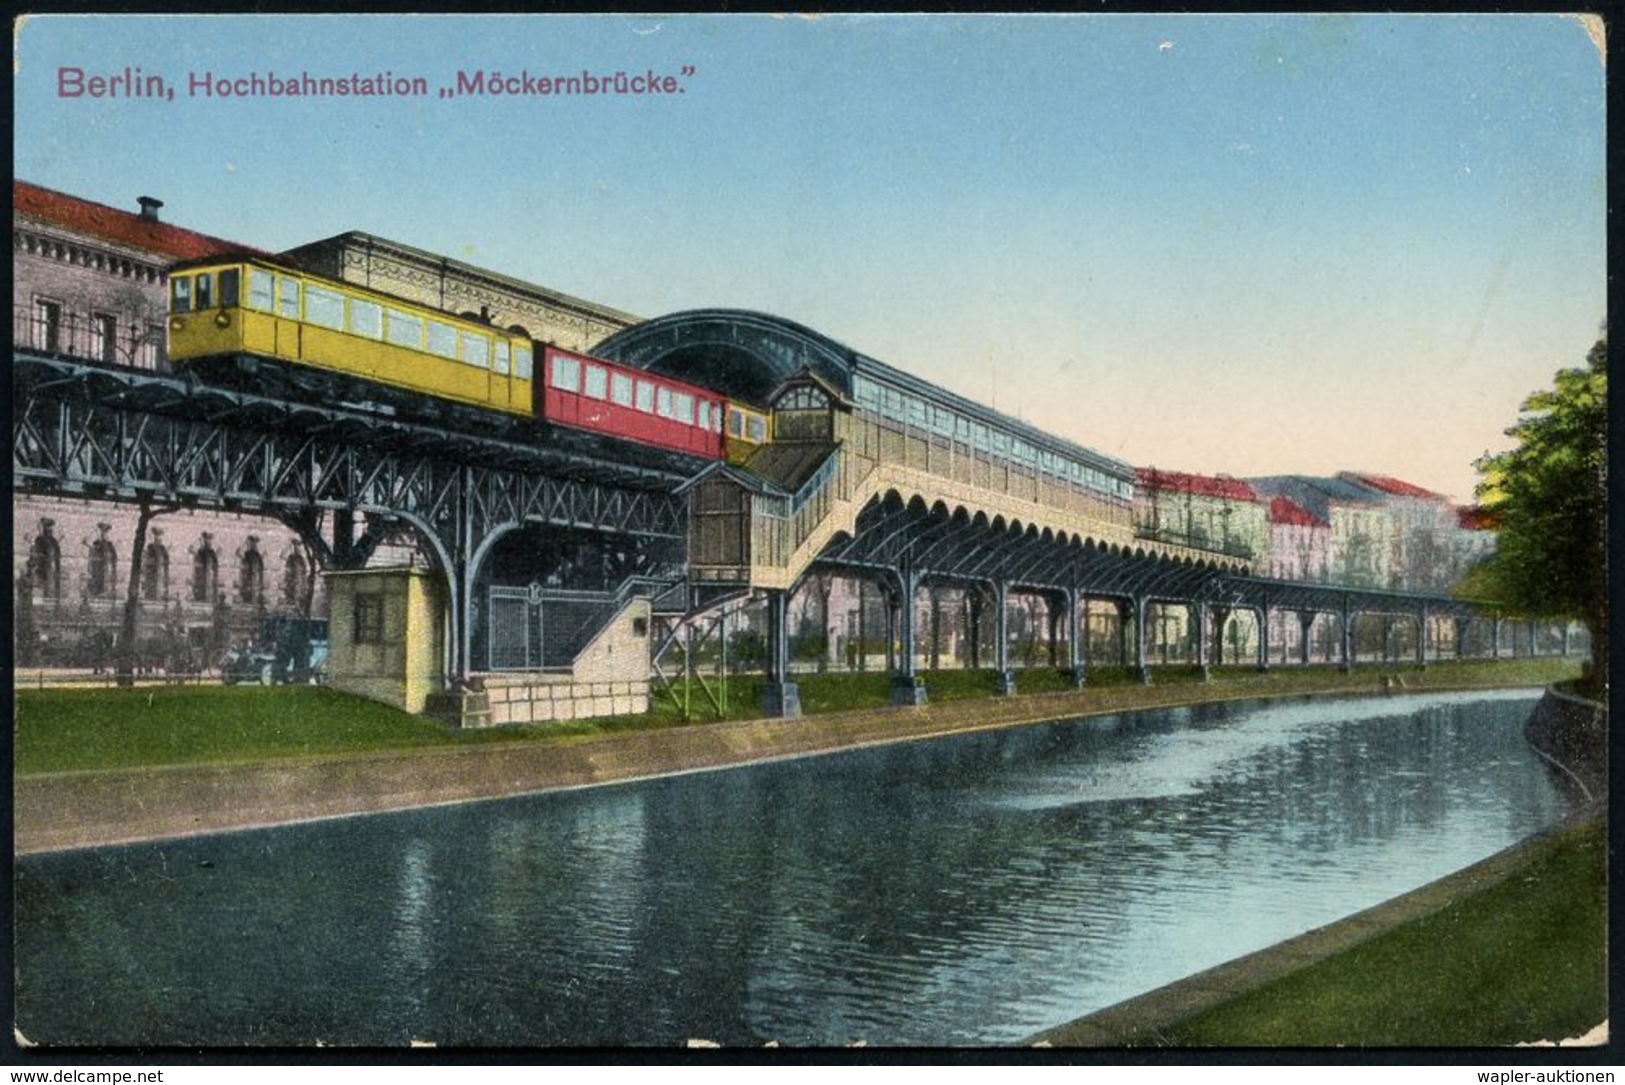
x,y
180,294
230,278
202,292
736,422
756,428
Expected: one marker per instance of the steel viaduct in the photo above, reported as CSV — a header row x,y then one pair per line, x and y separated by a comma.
x,y
844,487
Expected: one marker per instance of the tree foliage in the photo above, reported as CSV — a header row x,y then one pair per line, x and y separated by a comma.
x,y
1548,499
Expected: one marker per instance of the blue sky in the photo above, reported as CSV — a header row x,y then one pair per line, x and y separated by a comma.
x,y
1243,244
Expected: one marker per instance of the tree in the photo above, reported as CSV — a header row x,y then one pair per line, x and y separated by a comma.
x,y
1548,498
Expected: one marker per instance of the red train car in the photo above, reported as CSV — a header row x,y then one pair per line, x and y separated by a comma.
x,y
590,393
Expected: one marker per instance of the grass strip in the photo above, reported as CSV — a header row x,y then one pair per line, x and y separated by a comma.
x,y
108,728
1521,960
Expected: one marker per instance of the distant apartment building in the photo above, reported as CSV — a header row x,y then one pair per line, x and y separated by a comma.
x,y
1422,535
1207,512
1300,544
1360,544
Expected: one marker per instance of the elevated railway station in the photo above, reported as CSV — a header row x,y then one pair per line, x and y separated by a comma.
x,y
849,467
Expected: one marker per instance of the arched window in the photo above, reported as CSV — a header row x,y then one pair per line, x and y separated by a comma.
x,y
154,571
294,578
251,582
205,575
102,575
45,567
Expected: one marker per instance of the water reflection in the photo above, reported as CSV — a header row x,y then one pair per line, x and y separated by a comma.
x,y
964,891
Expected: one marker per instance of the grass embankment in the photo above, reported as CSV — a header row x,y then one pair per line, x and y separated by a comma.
x,y
1521,960
78,730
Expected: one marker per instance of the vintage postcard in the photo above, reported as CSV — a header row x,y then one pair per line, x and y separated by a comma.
x,y
861,531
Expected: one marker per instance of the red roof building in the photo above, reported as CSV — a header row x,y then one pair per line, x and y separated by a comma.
x,y
140,230
1284,510
1475,518
1392,486
1232,489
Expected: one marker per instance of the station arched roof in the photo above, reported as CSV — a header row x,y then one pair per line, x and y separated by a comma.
x,y
739,352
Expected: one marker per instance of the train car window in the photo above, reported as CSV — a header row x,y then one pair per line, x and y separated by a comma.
x,y
978,435
287,298
180,294
702,415
202,292
736,422
476,349
499,356
756,428
646,397
442,339
566,374
620,389
403,329
324,307
366,318
521,361
663,402
596,384
261,290
682,408
230,279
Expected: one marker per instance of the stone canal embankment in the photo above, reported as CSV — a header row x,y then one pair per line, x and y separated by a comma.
x,y
60,811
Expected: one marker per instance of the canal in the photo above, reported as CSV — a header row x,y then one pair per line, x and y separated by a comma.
x,y
963,891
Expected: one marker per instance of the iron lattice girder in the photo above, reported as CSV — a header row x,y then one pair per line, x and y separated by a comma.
x,y
124,434
934,544
1256,592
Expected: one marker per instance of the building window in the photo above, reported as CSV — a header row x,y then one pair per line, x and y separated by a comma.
x,y
45,566
154,572
102,578
152,347
369,619
205,574
104,337
251,583
294,578
47,325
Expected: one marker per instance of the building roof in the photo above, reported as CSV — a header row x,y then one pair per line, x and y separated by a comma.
x,y
111,224
1234,489
1284,510
1391,486
1317,494
1475,518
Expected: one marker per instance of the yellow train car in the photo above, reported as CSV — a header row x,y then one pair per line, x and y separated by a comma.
x,y
748,430
224,307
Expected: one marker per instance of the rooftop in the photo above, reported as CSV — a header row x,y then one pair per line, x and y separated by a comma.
x,y
1234,489
1284,510
132,228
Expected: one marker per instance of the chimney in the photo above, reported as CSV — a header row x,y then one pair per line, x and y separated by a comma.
x,y
149,207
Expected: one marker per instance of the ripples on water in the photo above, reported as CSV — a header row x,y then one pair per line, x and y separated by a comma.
x,y
971,890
